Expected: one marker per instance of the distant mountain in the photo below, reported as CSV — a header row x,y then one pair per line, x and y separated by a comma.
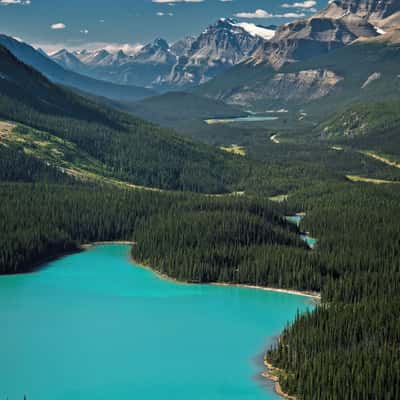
x,y
338,25
188,62
218,48
58,74
372,10
182,47
301,40
69,61
308,60
147,67
365,70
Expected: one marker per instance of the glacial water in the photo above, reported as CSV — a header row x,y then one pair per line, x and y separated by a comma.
x,y
249,118
93,326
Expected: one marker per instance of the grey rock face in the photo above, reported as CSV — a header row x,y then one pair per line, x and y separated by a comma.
x,y
308,38
286,87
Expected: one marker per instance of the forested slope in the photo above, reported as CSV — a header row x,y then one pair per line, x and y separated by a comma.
x,y
349,347
37,220
132,149
372,126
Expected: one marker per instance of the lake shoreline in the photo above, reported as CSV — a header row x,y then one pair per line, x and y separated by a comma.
x,y
312,295
272,374
120,242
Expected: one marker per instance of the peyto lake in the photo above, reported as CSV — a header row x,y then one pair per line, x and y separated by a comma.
x,y
93,326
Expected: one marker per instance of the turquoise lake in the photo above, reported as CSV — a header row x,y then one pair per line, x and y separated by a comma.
x,y
93,326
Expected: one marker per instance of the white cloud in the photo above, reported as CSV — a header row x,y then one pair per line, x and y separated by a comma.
x,y
12,2
265,14
304,4
256,14
290,15
176,1
58,26
161,14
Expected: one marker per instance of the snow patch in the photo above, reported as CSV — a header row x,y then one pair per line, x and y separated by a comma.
x,y
256,30
378,30
374,77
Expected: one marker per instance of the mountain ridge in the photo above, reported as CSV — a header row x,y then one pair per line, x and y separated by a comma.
x,y
59,75
187,62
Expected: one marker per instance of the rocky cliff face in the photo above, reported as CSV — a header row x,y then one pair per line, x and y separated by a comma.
x,y
287,87
371,10
341,24
312,37
219,47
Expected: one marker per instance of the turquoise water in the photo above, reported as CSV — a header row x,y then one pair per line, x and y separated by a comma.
x,y
249,118
311,242
93,326
296,220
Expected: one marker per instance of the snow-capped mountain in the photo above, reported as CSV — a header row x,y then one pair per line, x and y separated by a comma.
x,y
68,60
342,24
189,61
219,47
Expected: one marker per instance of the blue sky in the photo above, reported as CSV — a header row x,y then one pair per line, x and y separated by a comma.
x,y
91,23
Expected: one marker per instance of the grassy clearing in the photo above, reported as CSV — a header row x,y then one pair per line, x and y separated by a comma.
x,y
382,159
234,149
356,178
280,198
62,154
5,129
219,121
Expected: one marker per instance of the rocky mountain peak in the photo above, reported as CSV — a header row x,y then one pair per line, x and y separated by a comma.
x,y
161,44
182,47
341,23
368,9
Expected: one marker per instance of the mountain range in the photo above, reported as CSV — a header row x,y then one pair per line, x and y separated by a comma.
x,y
339,55
188,62
66,77
244,64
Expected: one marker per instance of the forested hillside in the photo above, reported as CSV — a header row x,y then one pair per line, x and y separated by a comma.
x,y
349,347
39,221
131,149
372,125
